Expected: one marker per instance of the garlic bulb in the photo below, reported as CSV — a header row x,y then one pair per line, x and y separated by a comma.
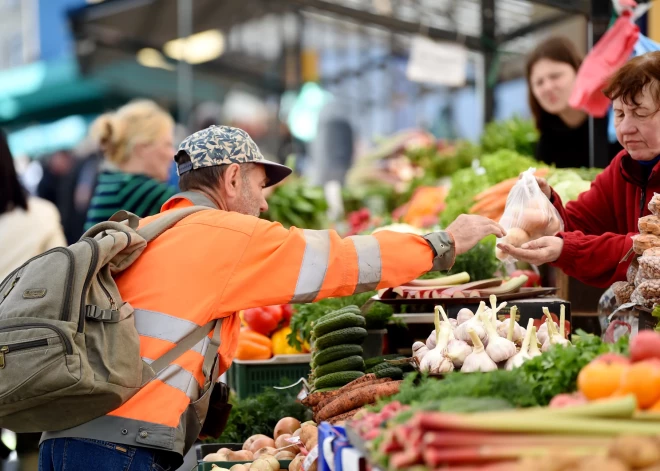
x,y
446,321
534,345
510,329
436,360
475,324
464,315
523,355
457,351
430,341
494,309
542,333
555,337
419,350
478,360
499,349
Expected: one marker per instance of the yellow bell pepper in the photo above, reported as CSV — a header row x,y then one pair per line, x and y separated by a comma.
x,y
281,345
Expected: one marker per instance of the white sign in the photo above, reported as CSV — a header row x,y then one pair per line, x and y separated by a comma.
x,y
439,63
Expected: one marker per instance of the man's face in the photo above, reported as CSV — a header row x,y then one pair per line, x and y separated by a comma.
x,y
250,199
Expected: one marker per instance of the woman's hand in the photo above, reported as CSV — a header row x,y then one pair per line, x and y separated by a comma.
x,y
537,252
545,188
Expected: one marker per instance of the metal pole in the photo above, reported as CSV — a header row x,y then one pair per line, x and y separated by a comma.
x,y
184,69
488,34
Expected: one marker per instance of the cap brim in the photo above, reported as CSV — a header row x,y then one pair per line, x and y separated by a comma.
x,y
275,172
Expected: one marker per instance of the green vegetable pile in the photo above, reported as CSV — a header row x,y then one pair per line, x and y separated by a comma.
x,y
569,183
296,203
519,135
377,315
260,413
535,383
467,183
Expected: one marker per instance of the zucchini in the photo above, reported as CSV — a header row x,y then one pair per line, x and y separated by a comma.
x,y
342,321
352,363
335,353
389,372
342,336
337,379
371,362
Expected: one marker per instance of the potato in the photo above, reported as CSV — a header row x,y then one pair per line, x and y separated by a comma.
x,y
240,467
296,464
636,451
285,455
269,450
310,422
215,467
311,443
243,455
249,441
216,457
261,465
516,236
308,431
260,443
286,425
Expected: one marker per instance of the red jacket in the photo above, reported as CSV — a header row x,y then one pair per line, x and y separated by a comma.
x,y
600,224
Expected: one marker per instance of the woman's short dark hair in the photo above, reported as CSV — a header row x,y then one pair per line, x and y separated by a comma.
x,y
557,49
201,178
12,194
629,81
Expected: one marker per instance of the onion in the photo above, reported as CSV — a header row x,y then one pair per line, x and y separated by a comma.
x,y
286,425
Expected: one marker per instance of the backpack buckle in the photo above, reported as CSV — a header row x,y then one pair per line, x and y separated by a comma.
x,y
103,315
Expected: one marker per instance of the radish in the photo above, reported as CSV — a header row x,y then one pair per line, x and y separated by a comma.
x,y
645,346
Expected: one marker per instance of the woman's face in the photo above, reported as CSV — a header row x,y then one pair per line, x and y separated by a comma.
x,y
551,83
157,157
638,127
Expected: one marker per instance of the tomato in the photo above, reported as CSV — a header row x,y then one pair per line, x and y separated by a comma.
x,y
287,312
645,346
534,279
263,320
600,379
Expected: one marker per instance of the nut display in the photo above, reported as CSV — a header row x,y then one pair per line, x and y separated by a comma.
x,y
649,267
622,291
654,205
632,271
649,289
642,242
649,225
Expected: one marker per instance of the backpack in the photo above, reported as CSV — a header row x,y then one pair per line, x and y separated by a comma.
x,y
69,349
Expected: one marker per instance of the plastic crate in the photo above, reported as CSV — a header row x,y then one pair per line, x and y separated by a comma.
x,y
206,448
250,377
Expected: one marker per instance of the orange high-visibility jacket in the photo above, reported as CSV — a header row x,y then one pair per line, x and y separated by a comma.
x,y
213,264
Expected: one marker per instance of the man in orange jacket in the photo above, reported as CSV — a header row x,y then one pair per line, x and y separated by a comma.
x,y
213,264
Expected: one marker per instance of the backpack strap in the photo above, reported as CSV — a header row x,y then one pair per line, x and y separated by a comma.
x,y
196,198
187,343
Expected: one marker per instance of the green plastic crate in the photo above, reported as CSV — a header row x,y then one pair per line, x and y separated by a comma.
x,y
250,377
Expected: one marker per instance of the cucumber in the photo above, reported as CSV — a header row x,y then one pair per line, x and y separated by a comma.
x,y
382,366
389,372
337,379
326,389
351,335
342,321
344,310
353,363
335,353
371,362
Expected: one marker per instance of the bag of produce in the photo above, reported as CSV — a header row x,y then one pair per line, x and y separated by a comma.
x,y
528,214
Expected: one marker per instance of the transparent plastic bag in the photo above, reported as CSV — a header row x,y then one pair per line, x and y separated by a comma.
x,y
649,225
622,292
528,214
631,274
654,204
649,264
644,242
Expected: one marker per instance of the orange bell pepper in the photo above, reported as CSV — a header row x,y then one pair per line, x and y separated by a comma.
x,y
248,350
256,337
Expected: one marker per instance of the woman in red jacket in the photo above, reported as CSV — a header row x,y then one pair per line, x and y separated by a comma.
x,y
600,224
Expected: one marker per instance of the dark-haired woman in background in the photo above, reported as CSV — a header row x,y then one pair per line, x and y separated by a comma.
x,y
28,225
551,72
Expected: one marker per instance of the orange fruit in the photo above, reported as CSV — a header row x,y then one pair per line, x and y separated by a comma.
x,y
599,379
643,380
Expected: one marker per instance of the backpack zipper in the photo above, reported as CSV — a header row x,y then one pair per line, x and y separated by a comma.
x,y
20,346
107,293
90,272
11,287
57,330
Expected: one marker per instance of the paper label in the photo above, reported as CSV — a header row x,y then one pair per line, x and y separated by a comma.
x,y
309,460
439,63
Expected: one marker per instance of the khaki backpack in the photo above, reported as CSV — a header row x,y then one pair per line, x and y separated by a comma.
x,y
69,349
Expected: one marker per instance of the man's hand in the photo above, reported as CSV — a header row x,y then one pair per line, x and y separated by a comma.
x,y
537,252
468,230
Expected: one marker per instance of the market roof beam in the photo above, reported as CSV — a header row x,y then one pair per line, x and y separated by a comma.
x,y
393,24
582,7
535,26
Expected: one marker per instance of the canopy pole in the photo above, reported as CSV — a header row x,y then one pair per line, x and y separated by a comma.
x,y
184,68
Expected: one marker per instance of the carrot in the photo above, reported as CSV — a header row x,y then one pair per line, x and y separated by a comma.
x,y
314,399
488,205
358,398
344,416
501,187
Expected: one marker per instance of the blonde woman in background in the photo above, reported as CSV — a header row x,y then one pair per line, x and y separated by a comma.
x,y
137,143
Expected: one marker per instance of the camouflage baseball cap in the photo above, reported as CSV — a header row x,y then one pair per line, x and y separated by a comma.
x,y
224,145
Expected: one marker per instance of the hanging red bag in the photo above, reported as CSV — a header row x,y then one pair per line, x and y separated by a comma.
x,y
610,53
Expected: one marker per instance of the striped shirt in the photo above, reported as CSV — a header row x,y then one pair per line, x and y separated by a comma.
x,y
135,193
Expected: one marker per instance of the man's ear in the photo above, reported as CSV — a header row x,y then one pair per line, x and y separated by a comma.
x,y
231,178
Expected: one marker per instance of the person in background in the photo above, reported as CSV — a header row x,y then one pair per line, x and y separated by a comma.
x,y
599,226
28,225
137,143
564,132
